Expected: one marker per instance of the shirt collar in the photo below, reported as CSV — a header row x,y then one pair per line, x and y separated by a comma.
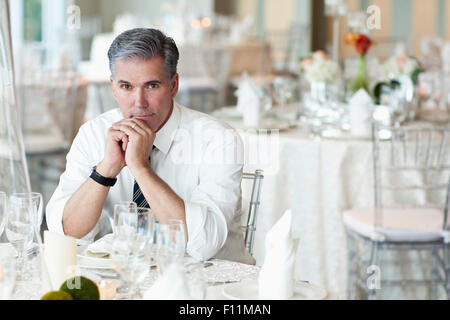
x,y
164,136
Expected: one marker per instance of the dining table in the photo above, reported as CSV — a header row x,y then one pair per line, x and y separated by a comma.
x,y
217,275
318,171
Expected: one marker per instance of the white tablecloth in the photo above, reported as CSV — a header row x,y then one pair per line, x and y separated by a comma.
x,y
318,179
218,275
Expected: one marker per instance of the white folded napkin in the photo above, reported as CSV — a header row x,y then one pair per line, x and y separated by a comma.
x,y
60,261
172,285
361,107
101,248
276,278
248,101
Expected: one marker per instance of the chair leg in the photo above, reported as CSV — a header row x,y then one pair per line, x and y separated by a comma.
x,y
434,275
373,262
351,281
446,256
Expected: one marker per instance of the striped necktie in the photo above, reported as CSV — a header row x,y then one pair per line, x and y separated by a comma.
x,y
138,196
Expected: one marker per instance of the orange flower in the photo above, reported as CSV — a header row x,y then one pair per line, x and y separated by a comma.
x,y
360,41
350,38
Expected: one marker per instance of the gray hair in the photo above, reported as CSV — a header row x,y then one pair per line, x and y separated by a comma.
x,y
144,43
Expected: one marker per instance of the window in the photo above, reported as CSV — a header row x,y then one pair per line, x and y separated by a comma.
x,y
32,20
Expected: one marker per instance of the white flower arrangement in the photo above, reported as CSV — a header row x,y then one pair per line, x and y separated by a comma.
x,y
320,68
400,65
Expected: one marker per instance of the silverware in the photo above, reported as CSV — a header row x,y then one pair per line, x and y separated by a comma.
x,y
218,283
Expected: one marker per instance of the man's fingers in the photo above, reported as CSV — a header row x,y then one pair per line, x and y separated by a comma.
x,y
134,124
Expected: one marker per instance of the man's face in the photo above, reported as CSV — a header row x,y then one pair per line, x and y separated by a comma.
x,y
143,90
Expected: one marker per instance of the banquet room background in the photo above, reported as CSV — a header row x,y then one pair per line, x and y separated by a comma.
x,y
310,165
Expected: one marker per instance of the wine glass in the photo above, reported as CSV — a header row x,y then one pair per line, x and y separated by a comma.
x,y
122,206
3,205
20,228
37,209
133,231
171,244
283,91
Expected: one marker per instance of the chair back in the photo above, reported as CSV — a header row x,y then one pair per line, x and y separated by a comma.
x,y
411,168
250,219
52,98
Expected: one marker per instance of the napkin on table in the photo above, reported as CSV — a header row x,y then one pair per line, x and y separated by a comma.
x,y
361,107
101,248
276,278
248,101
172,285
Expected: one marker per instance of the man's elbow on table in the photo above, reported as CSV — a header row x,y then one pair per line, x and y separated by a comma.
x,y
207,241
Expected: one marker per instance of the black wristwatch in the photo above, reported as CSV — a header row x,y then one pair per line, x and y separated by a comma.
x,y
107,182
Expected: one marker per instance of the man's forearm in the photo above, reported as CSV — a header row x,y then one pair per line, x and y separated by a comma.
x,y
84,208
165,203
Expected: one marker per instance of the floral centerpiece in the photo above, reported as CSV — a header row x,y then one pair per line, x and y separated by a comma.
x,y
362,43
393,69
322,73
400,65
319,68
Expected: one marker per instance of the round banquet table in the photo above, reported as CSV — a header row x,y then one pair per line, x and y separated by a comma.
x,y
217,276
316,175
317,178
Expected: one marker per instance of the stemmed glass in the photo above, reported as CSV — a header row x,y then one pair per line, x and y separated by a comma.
x,y
133,231
120,207
170,243
283,91
37,210
20,228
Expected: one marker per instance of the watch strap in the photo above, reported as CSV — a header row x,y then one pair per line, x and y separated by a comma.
x,y
107,182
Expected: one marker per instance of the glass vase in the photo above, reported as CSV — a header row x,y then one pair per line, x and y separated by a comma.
x,y
13,165
360,79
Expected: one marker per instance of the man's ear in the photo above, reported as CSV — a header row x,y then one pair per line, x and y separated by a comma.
x,y
174,85
113,89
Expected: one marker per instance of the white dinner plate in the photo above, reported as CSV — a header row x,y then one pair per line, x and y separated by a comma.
x,y
88,262
227,112
265,124
248,290
343,135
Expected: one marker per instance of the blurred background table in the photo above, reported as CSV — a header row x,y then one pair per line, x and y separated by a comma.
x,y
317,174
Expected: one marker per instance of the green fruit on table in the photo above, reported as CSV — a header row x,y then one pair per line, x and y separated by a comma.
x,y
57,295
81,288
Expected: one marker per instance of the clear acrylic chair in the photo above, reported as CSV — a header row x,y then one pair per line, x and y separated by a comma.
x,y
410,214
53,102
250,218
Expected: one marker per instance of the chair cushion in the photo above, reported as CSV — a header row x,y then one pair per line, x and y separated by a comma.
x,y
398,225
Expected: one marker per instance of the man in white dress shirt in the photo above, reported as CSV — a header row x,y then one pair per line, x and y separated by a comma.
x,y
187,165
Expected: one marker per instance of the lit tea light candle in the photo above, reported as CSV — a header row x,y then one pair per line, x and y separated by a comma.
x,y
107,289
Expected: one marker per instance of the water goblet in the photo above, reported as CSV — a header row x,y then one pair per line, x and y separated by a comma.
x,y
170,243
20,228
133,232
37,210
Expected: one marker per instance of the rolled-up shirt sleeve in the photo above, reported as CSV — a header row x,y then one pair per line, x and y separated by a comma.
x,y
211,210
78,168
